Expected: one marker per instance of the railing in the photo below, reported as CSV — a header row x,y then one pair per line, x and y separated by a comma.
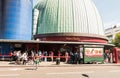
x,y
3,56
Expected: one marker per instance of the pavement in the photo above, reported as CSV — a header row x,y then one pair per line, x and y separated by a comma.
x,y
51,64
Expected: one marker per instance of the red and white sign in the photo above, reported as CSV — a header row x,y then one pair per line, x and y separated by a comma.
x,y
93,51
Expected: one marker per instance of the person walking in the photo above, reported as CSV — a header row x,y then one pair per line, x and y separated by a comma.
x,y
36,58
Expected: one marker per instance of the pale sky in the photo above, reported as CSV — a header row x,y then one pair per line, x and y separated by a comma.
x,y
109,11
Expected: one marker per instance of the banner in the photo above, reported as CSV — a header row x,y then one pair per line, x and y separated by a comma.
x,y
93,55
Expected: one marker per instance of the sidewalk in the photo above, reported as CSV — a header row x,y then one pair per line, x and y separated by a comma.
x,y
42,64
52,64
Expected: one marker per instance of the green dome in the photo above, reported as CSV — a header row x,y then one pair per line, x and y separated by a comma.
x,y
68,16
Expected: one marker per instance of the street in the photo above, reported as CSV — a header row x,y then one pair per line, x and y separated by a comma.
x,y
61,72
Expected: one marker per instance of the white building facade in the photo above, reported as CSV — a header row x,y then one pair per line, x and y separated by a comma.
x,y
111,32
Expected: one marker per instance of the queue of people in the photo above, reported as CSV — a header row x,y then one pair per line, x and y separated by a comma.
x,y
108,56
76,57
29,57
24,57
19,57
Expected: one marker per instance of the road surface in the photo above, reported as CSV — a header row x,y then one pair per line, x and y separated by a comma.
x,y
61,72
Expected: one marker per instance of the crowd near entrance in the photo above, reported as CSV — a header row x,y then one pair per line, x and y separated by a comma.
x,y
23,53
50,52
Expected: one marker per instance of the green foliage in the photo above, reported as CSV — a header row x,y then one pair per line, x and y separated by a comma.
x,y
116,40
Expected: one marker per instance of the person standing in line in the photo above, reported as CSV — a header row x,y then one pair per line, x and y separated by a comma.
x,y
18,55
45,56
59,54
71,57
11,55
105,56
40,55
51,55
32,56
25,58
80,57
76,55
66,57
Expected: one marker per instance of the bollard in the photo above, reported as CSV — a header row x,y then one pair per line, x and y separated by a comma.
x,y
57,61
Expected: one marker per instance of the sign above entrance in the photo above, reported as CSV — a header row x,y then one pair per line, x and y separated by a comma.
x,y
93,46
93,55
18,45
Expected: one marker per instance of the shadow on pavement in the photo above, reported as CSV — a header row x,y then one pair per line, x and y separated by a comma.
x,y
30,69
85,75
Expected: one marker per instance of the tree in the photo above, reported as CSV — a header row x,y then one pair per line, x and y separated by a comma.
x,y
116,40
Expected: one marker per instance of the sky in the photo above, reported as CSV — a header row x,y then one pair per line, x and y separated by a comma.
x,y
109,11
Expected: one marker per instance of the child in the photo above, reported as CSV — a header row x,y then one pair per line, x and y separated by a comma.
x,y
37,60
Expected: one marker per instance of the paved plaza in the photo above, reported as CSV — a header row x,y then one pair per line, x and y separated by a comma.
x,y
52,64
51,70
